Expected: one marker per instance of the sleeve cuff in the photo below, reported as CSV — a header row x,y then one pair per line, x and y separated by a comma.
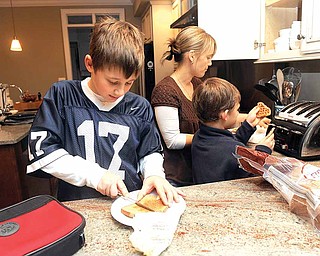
x,y
264,148
152,165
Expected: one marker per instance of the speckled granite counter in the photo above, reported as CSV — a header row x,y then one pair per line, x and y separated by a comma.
x,y
241,217
11,134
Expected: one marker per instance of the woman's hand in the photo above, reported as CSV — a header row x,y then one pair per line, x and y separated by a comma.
x,y
165,190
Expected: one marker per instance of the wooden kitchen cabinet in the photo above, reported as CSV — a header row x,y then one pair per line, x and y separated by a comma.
x,y
15,185
146,26
12,184
176,13
156,20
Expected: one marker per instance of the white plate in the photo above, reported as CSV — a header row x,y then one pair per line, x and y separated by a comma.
x,y
121,202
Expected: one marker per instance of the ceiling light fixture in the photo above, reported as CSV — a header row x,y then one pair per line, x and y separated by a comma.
x,y
15,44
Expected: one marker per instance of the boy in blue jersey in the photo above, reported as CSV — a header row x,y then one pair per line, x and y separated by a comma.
x,y
94,135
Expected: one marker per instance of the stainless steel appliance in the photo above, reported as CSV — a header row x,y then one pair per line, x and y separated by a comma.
x,y
297,130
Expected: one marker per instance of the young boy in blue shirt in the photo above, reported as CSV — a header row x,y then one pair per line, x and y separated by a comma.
x,y
216,103
94,135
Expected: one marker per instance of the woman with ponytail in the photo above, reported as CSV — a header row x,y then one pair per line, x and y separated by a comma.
x,y
192,51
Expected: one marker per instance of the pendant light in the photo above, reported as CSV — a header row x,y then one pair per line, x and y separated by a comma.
x,y
15,44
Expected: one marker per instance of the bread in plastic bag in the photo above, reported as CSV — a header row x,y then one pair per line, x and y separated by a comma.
x,y
298,182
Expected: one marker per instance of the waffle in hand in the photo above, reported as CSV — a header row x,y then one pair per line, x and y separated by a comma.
x,y
263,110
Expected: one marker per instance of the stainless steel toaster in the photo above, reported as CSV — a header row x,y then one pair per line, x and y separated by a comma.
x,y
297,130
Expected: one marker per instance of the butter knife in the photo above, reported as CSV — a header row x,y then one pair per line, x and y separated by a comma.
x,y
127,198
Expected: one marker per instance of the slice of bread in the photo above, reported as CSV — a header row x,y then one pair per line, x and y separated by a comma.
x,y
152,203
132,209
264,110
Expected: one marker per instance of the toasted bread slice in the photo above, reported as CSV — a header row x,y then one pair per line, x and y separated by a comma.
x,y
152,203
132,209
263,110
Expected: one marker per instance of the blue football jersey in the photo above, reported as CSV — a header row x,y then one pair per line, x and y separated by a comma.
x,y
115,139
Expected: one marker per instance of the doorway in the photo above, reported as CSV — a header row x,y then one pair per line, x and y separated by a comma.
x,y
77,25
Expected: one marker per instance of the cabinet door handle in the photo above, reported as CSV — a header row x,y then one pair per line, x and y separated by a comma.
x,y
299,37
256,44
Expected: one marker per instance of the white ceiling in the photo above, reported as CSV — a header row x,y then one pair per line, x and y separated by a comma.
x,y
24,3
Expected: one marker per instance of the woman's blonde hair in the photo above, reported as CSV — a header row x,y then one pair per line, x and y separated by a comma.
x,y
189,38
117,44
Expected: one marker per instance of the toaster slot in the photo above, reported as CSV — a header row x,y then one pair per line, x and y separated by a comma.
x,y
313,112
290,106
308,108
298,105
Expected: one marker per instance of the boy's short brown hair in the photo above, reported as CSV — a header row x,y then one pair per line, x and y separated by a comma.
x,y
213,96
117,44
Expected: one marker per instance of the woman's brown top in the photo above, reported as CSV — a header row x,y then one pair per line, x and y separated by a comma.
x,y
177,163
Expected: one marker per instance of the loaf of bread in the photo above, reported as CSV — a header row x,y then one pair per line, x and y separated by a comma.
x,y
132,209
298,205
149,203
245,165
254,155
297,181
264,110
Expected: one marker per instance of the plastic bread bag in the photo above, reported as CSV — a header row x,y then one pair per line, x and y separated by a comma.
x,y
297,181
154,231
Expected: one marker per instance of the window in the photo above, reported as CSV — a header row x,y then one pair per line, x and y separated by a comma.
x,y
77,25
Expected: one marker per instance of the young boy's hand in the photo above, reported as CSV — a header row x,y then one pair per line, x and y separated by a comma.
x,y
252,117
264,122
112,185
268,140
165,190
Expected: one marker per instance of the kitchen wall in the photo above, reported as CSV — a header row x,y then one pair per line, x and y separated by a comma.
x,y
245,74
310,86
42,60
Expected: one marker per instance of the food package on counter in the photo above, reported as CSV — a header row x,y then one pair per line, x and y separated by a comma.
x,y
154,231
298,182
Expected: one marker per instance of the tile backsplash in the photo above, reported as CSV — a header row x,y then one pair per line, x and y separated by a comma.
x,y
310,87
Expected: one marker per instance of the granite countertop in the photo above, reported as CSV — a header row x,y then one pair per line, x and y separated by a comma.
x,y
12,134
239,217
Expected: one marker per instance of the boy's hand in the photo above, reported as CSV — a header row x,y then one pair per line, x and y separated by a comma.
x,y
112,185
165,190
264,122
268,140
252,117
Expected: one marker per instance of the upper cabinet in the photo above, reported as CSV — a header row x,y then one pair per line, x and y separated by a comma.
x,y
310,31
261,29
146,26
235,25
155,25
298,21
